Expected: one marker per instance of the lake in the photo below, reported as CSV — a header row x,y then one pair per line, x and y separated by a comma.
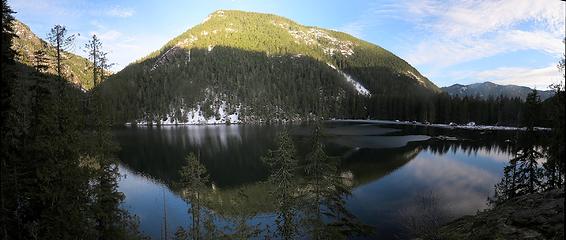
x,y
389,167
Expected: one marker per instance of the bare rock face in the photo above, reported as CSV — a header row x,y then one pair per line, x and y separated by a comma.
x,y
533,216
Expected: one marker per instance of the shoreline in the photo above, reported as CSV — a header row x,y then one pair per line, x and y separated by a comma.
x,y
440,125
390,122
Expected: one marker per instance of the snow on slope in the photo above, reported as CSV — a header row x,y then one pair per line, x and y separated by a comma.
x,y
196,117
359,87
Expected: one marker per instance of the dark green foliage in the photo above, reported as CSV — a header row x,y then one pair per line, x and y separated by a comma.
x,y
524,174
99,64
555,165
554,108
41,61
266,88
442,108
55,183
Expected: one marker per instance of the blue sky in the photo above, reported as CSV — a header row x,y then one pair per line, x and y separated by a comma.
x,y
452,41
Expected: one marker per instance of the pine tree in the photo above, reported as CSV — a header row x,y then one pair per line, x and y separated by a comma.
x,y
8,151
41,60
93,48
62,42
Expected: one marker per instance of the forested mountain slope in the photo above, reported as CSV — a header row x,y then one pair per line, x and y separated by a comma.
x,y
240,66
76,69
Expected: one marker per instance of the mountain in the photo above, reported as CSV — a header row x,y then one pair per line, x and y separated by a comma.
x,y
243,66
489,89
75,68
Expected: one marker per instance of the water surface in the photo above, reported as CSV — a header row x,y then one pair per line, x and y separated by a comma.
x,y
389,167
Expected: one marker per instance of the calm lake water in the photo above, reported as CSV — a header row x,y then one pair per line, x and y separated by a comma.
x,y
390,167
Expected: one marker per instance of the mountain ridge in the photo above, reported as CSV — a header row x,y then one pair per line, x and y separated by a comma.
x,y
486,90
266,65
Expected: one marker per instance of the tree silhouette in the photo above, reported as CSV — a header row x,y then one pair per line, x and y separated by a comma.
x,y
59,38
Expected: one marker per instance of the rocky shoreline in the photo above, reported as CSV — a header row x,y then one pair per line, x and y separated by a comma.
x,y
532,216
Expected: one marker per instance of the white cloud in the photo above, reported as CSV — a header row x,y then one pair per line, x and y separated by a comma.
x,y
109,35
353,28
537,40
446,52
467,17
539,78
118,11
463,31
447,33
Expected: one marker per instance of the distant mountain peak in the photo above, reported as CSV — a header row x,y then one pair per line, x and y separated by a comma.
x,y
490,89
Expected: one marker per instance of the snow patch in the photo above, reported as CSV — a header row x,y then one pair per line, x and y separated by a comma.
x,y
195,116
359,87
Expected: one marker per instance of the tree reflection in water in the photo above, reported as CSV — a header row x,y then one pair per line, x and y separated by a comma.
x,y
236,200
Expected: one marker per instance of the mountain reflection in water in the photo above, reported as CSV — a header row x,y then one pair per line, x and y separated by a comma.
x,y
386,166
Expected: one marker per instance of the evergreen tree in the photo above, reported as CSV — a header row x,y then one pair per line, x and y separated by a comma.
x,y
52,183
9,151
555,165
41,60
59,38
94,47
523,175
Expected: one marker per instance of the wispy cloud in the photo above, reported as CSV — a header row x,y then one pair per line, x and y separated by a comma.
x,y
110,35
471,30
117,11
450,33
539,78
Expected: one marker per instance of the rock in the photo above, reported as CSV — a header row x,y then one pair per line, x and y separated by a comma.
x,y
533,216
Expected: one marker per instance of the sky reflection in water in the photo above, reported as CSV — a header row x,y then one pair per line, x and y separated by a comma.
x,y
389,172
